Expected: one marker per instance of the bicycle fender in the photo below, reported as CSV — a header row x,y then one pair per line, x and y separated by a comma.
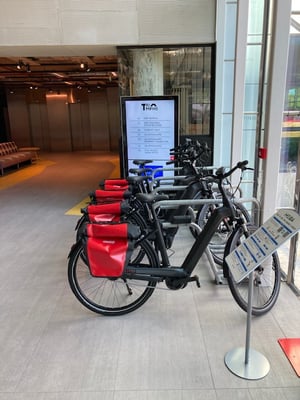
x,y
227,249
75,247
251,228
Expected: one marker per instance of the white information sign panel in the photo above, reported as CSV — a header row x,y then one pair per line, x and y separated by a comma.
x,y
259,246
150,128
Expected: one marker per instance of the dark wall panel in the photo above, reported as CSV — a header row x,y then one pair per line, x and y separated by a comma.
x,y
39,125
114,118
59,126
80,126
99,122
19,120
53,123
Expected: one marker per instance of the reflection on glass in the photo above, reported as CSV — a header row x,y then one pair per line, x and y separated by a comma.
x,y
186,72
290,143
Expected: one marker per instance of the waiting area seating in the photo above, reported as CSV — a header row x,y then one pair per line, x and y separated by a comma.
x,y
10,156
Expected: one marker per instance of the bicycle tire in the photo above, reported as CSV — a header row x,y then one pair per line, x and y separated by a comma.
x,y
110,296
267,278
219,240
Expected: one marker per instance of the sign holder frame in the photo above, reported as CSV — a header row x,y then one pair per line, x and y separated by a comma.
x,y
245,362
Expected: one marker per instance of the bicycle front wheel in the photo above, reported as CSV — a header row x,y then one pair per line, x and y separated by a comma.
x,y
266,278
111,296
223,232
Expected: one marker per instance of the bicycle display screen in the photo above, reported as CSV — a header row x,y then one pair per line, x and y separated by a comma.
x,y
150,130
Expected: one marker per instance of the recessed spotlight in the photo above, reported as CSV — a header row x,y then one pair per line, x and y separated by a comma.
x,y
20,65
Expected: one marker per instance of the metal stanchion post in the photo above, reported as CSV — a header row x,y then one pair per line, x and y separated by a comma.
x,y
246,362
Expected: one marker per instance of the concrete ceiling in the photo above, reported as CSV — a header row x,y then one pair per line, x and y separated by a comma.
x,y
56,67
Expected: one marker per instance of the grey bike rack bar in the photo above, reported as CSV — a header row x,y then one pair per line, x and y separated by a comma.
x,y
169,188
164,204
175,177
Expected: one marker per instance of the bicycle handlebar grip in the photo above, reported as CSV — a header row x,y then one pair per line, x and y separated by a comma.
x,y
242,164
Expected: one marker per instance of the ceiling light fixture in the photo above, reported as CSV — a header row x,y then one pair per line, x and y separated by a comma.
x,y
85,67
20,65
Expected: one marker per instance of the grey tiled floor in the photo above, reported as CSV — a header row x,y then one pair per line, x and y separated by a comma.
x,y
172,348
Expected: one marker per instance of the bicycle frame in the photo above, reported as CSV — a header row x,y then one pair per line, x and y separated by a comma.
x,y
197,250
182,275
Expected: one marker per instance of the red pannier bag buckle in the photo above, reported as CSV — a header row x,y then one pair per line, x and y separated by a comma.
x,y
109,247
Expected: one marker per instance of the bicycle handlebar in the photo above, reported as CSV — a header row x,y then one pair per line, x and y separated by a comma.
x,y
220,173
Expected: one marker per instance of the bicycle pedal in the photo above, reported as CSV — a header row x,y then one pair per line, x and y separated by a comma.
x,y
195,278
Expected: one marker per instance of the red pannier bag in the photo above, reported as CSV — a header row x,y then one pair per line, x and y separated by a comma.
x,y
114,184
109,247
109,196
106,212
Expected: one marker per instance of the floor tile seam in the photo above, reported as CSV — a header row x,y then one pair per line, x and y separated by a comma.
x,y
33,354
252,385
205,344
116,391
166,391
119,354
275,320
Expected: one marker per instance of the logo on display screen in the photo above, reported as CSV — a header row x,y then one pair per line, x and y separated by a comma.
x,y
149,107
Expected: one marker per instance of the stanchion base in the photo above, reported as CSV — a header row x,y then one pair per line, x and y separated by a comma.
x,y
257,366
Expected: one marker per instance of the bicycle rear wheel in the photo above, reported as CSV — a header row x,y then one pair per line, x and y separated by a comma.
x,y
111,296
266,278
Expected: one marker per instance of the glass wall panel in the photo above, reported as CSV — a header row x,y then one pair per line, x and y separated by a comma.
x,y
289,170
230,32
251,98
252,88
253,63
228,87
185,71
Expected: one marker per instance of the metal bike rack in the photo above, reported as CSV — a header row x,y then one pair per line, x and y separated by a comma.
x,y
170,204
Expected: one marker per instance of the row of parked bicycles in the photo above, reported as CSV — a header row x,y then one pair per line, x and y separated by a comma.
x,y
126,233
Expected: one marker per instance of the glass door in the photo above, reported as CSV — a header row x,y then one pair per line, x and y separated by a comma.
x,y
289,171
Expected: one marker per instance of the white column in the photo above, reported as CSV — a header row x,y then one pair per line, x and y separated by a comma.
x,y
275,103
226,20
148,72
239,82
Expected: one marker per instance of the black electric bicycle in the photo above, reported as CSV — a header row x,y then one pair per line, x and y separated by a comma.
x,y
123,294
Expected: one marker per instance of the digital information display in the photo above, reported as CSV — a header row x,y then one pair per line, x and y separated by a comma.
x,y
259,246
150,130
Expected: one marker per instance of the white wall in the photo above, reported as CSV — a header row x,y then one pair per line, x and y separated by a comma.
x,y
62,27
